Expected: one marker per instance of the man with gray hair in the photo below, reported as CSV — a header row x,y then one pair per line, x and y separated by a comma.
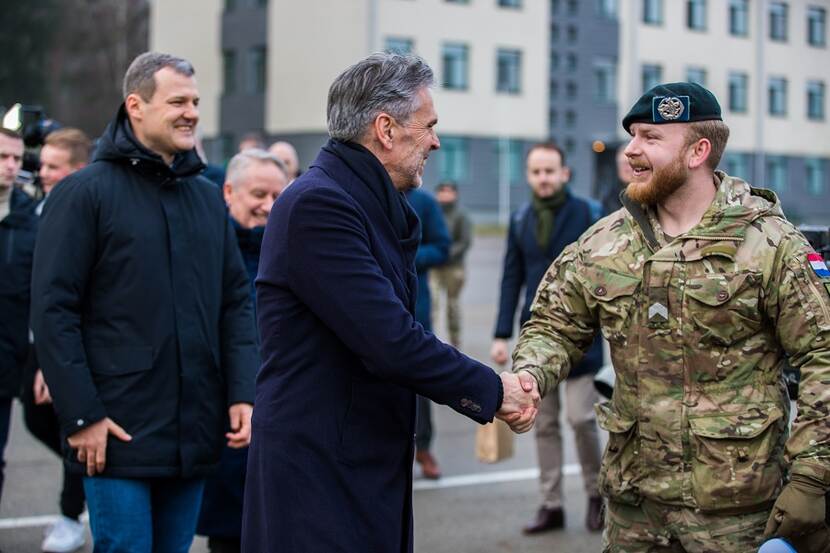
x,y
142,317
330,462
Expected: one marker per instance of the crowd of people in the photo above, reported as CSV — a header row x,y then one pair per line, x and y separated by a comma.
x,y
149,301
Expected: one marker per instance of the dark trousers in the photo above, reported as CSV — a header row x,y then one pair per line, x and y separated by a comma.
x,y
5,421
423,424
42,422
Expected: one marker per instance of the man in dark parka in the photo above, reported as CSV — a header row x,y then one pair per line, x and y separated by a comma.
x,y
330,462
142,318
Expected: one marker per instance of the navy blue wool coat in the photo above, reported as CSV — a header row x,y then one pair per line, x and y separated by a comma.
x,y
330,461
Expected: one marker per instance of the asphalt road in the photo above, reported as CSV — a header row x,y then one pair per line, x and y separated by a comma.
x,y
474,508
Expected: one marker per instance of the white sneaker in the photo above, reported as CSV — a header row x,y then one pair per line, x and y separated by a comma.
x,y
64,536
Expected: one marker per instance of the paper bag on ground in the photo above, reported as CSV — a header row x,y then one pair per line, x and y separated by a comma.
x,y
494,442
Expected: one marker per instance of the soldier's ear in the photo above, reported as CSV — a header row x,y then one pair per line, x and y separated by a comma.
x,y
700,151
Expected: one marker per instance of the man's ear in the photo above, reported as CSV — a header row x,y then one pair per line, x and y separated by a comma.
x,y
566,173
227,192
134,105
384,130
700,153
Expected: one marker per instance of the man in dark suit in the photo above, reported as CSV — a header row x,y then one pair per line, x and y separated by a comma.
x,y
539,231
330,462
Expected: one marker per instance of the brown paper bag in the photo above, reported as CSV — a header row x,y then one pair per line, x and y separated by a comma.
x,y
494,442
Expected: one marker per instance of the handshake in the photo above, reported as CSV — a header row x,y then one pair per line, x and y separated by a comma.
x,y
521,399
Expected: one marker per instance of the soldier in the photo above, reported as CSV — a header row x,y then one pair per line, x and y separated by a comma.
x,y
702,287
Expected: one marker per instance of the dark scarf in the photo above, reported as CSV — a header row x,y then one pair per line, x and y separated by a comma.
x,y
545,210
369,169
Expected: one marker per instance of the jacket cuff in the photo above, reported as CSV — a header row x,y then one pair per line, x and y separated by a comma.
x,y
813,469
500,397
78,421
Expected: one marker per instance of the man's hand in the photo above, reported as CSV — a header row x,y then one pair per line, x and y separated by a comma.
x,y
240,434
799,510
41,390
91,443
498,351
521,398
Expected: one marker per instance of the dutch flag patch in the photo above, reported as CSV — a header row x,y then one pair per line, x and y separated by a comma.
x,y
818,265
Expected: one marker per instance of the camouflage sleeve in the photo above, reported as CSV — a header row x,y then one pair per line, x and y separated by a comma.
x,y
799,303
561,325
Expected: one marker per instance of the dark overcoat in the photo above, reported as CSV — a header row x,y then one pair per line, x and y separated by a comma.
x,y
141,308
525,263
330,462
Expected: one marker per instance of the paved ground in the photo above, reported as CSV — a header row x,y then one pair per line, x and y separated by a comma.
x,y
465,513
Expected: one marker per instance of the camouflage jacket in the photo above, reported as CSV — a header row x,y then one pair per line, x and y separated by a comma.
x,y
699,327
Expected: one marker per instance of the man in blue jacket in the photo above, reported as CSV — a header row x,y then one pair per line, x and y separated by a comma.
x,y
330,462
142,317
538,232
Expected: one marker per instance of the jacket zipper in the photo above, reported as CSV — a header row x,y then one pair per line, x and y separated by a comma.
x,y
9,245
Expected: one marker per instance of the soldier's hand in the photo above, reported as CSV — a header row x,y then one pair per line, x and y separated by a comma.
x,y
498,351
799,510
520,401
91,443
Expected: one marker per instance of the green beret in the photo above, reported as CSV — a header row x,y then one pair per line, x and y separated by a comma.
x,y
673,103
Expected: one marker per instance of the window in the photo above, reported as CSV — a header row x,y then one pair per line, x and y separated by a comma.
x,y
456,61
554,33
777,173
816,27
555,5
570,145
778,21
570,90
570,118
508,71
554,118
571,61
510,3
739,17
554,89
607,8
228,72
815,176
511,159
572,34
777,96
454,158
696,75
815,100
653,12
605,81
257,63
554,61
399,45
573,7
652,76
696,14
738,92
230,5
737,165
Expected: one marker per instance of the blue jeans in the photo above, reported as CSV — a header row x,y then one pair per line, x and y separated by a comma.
x,y
143,515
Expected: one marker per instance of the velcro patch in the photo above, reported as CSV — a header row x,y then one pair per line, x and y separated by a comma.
x,y
818,265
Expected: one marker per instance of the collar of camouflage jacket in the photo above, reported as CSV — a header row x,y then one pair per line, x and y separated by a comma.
x,y
735,207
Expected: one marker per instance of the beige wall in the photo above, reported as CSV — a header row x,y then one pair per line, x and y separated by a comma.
x,y
675,48
304,59
191,29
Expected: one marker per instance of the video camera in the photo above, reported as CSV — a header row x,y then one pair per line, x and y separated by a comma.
x,y
33,125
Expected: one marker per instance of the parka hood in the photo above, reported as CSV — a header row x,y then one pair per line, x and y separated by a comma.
x,y
119,144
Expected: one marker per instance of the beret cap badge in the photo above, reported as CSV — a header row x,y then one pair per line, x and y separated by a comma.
x,y
670,108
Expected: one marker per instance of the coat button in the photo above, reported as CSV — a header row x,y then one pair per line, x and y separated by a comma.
x,y
600,291
723,295
79,422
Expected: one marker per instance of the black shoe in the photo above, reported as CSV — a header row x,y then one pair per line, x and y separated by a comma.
x,y
595,518
546,520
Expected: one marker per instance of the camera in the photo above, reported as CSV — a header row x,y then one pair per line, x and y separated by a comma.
x,y
33,125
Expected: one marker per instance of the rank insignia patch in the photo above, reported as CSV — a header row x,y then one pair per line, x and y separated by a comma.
x,y
818,265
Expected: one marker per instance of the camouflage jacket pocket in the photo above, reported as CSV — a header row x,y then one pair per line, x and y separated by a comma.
x,y
737,458
724,307
613,296
621,461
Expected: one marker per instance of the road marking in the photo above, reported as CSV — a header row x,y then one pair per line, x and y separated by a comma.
x,y
478,479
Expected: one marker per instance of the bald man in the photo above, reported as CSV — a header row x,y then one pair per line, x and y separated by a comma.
x,y
286,153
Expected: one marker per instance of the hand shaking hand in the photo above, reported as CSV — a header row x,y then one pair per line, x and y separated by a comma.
x,y
521,399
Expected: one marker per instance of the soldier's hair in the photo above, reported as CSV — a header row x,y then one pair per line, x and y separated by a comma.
x,y
447,184
550,146
716,132
381,83
10,133
75,141
238,165
140,76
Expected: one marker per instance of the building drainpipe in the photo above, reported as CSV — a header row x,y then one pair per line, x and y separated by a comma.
x,y
759,171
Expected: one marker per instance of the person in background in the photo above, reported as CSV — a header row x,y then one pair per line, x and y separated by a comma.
x,y
286,153
611,200
538,232
433,250
448,279
251,140
64,151
142,317
255,180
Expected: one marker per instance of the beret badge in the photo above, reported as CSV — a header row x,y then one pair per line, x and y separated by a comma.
x,y
671,108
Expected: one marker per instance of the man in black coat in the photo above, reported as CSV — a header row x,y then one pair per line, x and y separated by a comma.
x,y
330,462
142,318
18,228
